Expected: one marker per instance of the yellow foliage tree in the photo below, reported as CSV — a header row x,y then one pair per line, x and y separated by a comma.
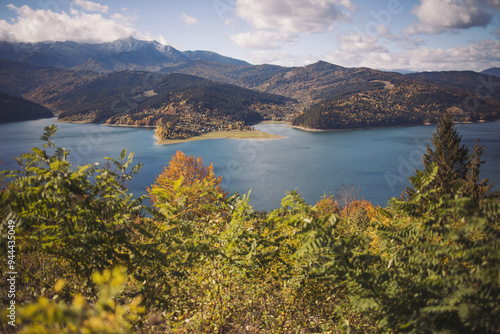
x,y
359,205
189,190
327,206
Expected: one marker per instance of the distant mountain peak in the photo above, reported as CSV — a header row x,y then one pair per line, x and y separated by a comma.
x,y
321,64
492,71
123,54
127,44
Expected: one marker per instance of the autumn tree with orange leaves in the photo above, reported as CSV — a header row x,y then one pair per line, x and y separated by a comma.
x,y
190,190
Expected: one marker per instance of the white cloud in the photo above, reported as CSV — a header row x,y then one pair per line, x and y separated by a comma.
x,y
160,39
476,56
281,58
404,41
45,25
287,19
384,32
358,42
437,16
347,4
291,16
91,6
188,20
264,40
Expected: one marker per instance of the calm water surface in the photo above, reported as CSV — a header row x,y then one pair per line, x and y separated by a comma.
x,y
378,161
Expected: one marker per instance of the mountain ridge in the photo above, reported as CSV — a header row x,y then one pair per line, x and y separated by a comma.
x,y
96,97
124,54
370,98
492,71
327,95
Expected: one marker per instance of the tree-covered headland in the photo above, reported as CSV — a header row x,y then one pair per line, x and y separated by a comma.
x,y
91,258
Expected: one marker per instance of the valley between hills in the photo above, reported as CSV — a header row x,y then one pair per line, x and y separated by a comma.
x,y
200,94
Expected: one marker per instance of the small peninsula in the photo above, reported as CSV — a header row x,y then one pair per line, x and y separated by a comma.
x,y
229,134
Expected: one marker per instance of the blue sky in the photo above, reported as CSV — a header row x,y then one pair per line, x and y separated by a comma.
x,y
414,35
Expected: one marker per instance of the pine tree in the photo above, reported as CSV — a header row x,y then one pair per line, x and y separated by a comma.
x,y
458,171
451,157
474,188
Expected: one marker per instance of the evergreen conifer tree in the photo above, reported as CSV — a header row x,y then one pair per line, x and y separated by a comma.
x,y
458,171
472,187
451,157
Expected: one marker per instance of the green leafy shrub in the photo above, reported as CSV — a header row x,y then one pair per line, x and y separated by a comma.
x,y
107,314
82,218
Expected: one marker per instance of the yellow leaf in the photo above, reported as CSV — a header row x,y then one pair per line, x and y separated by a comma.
x,y
59,285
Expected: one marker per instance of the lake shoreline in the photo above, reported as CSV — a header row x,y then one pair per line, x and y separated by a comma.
x,y
133,126
383,127
354,129
237,134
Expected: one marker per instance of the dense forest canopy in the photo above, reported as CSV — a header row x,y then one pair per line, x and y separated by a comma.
x,y
398,102
15,108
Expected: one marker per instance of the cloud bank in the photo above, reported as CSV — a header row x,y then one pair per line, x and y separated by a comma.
x,y
282,21
79,26
476,56
438,16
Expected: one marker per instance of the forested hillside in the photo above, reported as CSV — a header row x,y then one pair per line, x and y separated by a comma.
x,y
13,108
482,84
396,102
138,97
248,76
301,83
317,96
335,97
366,98
86,256
118,94
40,84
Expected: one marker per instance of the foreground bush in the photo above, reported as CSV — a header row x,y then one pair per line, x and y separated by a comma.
x,y
104,315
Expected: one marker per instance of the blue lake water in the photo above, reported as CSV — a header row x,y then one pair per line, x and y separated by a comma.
x,y
378,161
